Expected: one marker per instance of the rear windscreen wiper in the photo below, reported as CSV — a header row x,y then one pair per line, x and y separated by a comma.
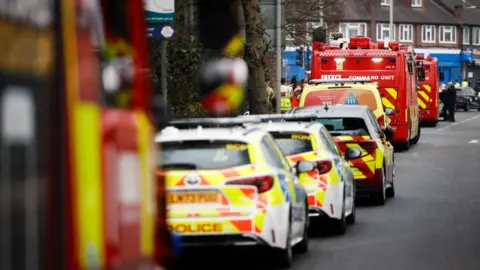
x,y
178,166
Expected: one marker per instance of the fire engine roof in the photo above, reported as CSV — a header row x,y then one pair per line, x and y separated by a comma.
x,y
334,110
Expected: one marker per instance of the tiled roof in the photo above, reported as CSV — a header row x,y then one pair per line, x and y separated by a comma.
x,y
469,16
431,12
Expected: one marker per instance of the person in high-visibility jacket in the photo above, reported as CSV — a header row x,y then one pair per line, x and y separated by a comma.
x,y
457,84
286,95
465,83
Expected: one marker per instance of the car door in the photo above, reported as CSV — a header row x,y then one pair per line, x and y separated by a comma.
x,y
387,147
341,164
291,186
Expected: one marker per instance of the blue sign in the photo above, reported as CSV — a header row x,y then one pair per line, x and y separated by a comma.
x,y
159,31
351,99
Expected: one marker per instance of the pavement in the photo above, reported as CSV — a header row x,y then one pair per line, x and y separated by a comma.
x,y
432,223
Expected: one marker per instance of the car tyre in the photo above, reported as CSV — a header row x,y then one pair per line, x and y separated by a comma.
x,y
302,247
478,109
352,217
283,257
403,146
417,138
379,197
466,108
339,226
390,192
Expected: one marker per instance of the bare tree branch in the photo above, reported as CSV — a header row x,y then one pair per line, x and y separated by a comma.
x,y
302,16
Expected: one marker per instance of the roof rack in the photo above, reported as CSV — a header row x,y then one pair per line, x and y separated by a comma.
x,y
339,81
187,123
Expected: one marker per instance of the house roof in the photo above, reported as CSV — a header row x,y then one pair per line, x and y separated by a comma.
x,y
430,13
470,15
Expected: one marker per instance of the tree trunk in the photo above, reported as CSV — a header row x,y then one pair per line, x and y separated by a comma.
x,y
254,56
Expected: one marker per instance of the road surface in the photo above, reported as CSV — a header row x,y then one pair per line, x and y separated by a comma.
x,y
432,223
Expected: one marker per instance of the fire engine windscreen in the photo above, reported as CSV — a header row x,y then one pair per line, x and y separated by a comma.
x,y
293,143
360,63
345,126
341,96
204,155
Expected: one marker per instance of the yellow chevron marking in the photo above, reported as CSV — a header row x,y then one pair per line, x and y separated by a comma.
x,y
392,92
428,88
425,96
422,104
387,103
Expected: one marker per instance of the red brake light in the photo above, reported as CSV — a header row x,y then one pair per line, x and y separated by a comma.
x,y
324,166
368,146
263,183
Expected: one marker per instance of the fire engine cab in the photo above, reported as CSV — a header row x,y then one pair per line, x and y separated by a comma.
x,y
428,94
391,67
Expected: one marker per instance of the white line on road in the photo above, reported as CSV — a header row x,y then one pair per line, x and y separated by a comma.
x,y
457,123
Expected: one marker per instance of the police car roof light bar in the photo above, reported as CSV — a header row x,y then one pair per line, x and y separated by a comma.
x,y
339,81
214,122
297,117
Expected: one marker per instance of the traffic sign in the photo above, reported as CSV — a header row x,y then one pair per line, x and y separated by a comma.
x,y
160,31
351,99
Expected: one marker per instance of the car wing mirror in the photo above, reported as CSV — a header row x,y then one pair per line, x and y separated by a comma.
x,y
389,111
352,153
304,166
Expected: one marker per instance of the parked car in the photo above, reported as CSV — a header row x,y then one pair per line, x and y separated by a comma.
x,y
467,99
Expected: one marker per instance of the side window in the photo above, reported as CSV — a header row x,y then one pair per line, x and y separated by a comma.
x,y
270,154
329,142
280,153
374,121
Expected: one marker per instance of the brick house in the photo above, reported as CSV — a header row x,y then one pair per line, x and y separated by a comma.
x,y
468,14
425,24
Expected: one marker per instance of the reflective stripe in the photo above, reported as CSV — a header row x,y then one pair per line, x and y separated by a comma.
x,y
147,213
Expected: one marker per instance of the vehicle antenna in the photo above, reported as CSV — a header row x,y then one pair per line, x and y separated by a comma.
x,y
326,107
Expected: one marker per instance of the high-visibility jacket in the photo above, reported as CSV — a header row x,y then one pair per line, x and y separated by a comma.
x,y
285,100
457,85
464,84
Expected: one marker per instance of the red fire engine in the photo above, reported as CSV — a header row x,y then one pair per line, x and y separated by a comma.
x,y
384,63
428,95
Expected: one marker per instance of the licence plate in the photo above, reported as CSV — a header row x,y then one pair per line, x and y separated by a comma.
x,y
193,197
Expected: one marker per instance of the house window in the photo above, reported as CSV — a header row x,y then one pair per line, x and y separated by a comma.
x,y
416,3
385,2
406,32
383,31
428,33
448,34
466,35
353,29
476,35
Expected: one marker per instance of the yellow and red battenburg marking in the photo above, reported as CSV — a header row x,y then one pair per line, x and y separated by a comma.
x,y
363,167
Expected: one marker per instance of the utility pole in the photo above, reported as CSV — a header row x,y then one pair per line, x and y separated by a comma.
x,y
278,35
392,29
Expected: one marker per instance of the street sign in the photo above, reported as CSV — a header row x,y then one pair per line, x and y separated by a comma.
x,y
160,11
160,31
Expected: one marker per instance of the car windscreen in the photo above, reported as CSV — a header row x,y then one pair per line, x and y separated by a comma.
x,y
204,155
341,96
293,142
467,91
345,126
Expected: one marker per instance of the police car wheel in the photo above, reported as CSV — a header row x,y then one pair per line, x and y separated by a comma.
x,y
283,257
339,226
379,197
302,247
390,192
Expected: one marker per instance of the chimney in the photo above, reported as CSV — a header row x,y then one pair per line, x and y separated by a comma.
x,y
458,12
372,32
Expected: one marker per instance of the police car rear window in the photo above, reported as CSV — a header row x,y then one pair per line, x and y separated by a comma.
x,y
293,142
345,126
204,155
342,96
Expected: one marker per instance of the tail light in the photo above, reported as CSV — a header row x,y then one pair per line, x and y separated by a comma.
x,y
263,183
381,121
324,166
368,146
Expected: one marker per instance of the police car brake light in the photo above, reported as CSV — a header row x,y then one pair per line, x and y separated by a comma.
x,y
262,182
324,166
